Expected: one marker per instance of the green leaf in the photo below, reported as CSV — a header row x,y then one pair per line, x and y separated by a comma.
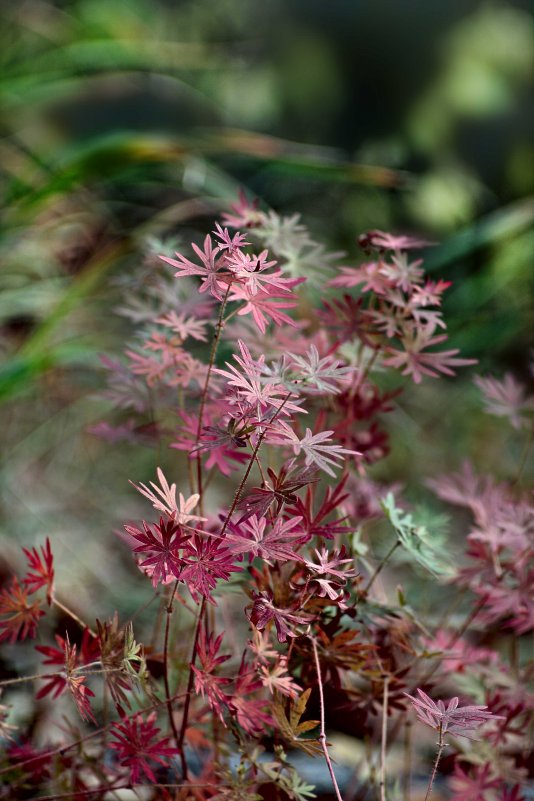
x,y
428,550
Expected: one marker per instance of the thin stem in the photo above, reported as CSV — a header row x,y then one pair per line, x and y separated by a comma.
x,y
322,736
73,615
214,471
203,397
456,636
22,679
364,373
156,628
239,490
260,468
190,475
456,601
93,791
524,456
380,567
35,676
253,457
384,740
180,741
232,314
169,610
407,773
428,675
63,749
441,746
129,786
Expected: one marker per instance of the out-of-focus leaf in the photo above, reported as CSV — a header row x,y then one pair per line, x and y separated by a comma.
x,y
500,225
427,551
294,157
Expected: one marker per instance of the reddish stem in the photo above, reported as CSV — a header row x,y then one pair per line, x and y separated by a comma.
x,y
253,457
322,736
189,691
203,397
168,700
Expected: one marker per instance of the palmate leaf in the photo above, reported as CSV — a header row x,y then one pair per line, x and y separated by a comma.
x,y
282,489
428,551
283,775
291,728
297,788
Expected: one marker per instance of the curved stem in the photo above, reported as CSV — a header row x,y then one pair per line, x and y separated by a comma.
x,y
322,736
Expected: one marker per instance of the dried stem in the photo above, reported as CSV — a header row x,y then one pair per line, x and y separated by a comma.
x,y
322,735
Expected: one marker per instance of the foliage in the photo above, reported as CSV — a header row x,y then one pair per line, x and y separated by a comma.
x,y
283,424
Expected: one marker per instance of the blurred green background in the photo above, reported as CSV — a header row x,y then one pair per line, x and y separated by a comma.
x,y
127,122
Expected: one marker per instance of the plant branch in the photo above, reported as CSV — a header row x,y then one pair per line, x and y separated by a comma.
x,y
524,456
169,610
73,615
181,737
441,746
63,749
407,772
383,740
203,397
380,567
252,459
322,736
